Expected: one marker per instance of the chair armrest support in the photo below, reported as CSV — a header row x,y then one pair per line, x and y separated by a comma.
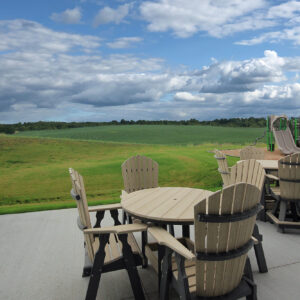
x,y
273,177
164,238
105,207
119,229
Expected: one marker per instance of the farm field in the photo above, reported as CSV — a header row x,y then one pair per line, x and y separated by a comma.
x,y
155,134
34,171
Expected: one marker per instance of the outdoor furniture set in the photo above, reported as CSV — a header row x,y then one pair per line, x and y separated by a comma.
x,y
281,192
214,265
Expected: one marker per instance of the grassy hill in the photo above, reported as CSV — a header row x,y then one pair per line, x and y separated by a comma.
x,y
34,171
155,134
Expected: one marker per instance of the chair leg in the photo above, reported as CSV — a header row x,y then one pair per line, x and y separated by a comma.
x,y
94,282
87,269
294,212
259,251
131,268
183,284
282,214
249,279
166,274
160,256
248,269
282,211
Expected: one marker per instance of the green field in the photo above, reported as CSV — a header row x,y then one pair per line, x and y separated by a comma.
x,y
155,134
34,171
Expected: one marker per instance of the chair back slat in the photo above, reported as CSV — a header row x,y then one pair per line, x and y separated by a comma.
x,y
249,171
82,206
289,176
223,167
139,172
251,152
215,278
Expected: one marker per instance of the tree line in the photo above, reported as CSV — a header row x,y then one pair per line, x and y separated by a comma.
x,y
42,125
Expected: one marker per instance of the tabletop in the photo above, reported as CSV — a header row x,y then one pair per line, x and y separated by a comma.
x,y
164,204
269,164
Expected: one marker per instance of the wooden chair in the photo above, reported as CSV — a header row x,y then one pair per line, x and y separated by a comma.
x,y
223,169
218,268
252,172
107,249
251,152
286,211
139,172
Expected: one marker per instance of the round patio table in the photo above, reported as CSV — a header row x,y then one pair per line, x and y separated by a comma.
x,y
164,205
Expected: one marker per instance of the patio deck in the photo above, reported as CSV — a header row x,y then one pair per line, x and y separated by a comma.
x,y
41,257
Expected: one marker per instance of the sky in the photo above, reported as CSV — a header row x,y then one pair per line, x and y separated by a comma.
x,y
100,60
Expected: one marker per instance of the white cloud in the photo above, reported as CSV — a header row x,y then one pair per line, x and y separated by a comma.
x,y
110,15
292,34
188,97
286,15
240,76
41,79
185,18
69,16
28,36
287,10
124,42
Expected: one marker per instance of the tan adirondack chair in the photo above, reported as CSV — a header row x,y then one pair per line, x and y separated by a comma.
x,y
287,195
139,172
251,152
218,268
107,249
252,172
223,169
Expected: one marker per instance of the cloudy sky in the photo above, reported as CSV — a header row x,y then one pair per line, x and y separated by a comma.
x,y
101,60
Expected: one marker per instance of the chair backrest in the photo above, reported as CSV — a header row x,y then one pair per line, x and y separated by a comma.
x,y
289,177
219,236
249,171
251,152
78,194
223,167
139,172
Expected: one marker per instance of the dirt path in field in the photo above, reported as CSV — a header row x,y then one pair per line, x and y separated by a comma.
x,y
268,154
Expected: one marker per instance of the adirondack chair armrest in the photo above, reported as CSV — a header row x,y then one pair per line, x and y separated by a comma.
x,y
272,177
105,207
119,229
224,172
123,194
164,238
255,240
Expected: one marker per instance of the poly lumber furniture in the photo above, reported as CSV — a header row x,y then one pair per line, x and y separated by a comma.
x,y
223,169
163,206
283,136
110,248
219,267
252,172
139,172
251,152
287,195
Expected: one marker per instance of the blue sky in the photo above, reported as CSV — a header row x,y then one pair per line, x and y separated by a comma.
x,y
90,60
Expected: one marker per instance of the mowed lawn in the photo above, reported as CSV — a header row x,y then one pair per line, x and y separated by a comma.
x,y
34,171
155,134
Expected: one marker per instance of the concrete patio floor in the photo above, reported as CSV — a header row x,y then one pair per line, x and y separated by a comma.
x,y
41,257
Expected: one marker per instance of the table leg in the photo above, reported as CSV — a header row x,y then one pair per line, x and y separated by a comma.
x,y
144,243
186,231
